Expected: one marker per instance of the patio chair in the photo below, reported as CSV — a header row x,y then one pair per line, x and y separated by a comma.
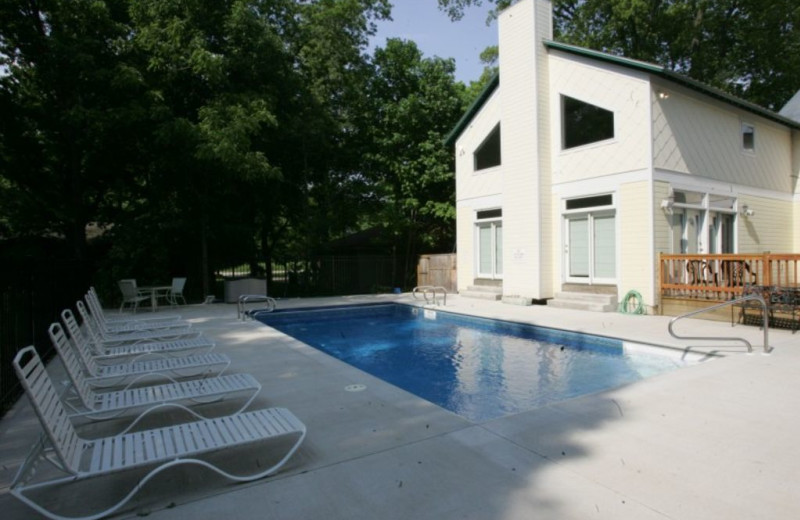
x,y
114,320
176,291
99,317
159,449
105,338
130,294
104,405
107,375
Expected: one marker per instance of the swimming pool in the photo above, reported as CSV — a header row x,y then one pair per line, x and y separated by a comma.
x,y
478,368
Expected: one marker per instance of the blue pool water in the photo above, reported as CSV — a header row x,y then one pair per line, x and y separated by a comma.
x,y
478,368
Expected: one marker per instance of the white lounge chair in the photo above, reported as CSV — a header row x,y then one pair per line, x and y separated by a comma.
x,y
96,312
103,352
103,405
108,375
78,459
131,336
130,294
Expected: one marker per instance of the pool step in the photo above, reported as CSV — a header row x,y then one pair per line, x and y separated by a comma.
x,y
584,301
483,292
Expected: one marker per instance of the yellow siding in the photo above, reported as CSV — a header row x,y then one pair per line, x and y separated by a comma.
x,y
601,85
465,246
556,257
795,181
475,190
771,228
635,239
471,183
662,236
662,232
703,138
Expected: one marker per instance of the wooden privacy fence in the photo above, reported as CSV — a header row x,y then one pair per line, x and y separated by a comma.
x,y
723,276
438,270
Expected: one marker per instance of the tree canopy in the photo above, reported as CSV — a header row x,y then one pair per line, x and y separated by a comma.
x,y
207,133
749,48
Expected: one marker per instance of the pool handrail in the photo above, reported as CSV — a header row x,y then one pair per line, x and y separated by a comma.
x,y
431,289
757,297
244,299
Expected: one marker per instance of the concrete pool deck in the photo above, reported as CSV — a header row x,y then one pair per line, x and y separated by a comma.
x,y
720,439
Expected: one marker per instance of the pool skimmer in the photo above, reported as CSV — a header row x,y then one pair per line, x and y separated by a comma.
x,y
355,388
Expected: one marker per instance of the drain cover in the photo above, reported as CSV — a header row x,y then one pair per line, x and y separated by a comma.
x,y
355,388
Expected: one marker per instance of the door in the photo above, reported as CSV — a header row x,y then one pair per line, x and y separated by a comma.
x,y
721,233
490,250
591,248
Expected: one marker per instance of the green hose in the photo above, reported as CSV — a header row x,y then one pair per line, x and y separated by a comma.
x,y
632,304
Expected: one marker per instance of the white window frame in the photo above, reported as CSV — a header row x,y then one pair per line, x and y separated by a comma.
x,y
493,225
591,214
747,127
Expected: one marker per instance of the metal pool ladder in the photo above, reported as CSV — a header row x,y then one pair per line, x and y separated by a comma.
x,y
757,297
241,311
431,290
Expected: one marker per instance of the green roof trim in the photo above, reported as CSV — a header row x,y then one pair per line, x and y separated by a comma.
x,y
658,70
473,109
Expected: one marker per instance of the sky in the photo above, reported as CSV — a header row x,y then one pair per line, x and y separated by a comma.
x,y
435,35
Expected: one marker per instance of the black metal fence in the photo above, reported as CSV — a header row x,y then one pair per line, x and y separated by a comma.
x,y
327,275
32,295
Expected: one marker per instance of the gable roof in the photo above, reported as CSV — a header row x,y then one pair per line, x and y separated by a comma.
x,y
473,109
649,68
658,70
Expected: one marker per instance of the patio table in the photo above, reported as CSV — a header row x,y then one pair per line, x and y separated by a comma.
x,y
153,291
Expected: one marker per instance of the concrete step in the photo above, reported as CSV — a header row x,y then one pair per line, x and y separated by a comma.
x,y
483,292
584,301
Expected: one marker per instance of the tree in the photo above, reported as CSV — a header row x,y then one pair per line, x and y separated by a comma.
x,y
413,104
489,58
72,113
749,48
329,145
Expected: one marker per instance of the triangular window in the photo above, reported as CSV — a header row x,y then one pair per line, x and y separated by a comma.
x,y
584,123
487,155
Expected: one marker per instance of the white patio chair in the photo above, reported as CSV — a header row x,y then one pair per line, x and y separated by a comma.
x,y
130,294
94,303
107,375
108,339
97,314
120,351
87,403
78,459
176,291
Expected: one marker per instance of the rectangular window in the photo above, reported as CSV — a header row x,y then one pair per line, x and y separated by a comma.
x,y
590,202
583,123
748,137
489,213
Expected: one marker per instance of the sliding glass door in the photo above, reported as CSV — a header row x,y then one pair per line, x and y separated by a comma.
x,y
591,248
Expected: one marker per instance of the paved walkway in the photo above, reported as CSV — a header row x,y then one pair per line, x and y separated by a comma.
x,y
715,440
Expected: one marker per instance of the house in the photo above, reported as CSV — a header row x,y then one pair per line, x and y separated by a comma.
x,y
576,169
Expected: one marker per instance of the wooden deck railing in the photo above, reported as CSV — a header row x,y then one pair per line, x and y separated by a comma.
x,y
722,277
